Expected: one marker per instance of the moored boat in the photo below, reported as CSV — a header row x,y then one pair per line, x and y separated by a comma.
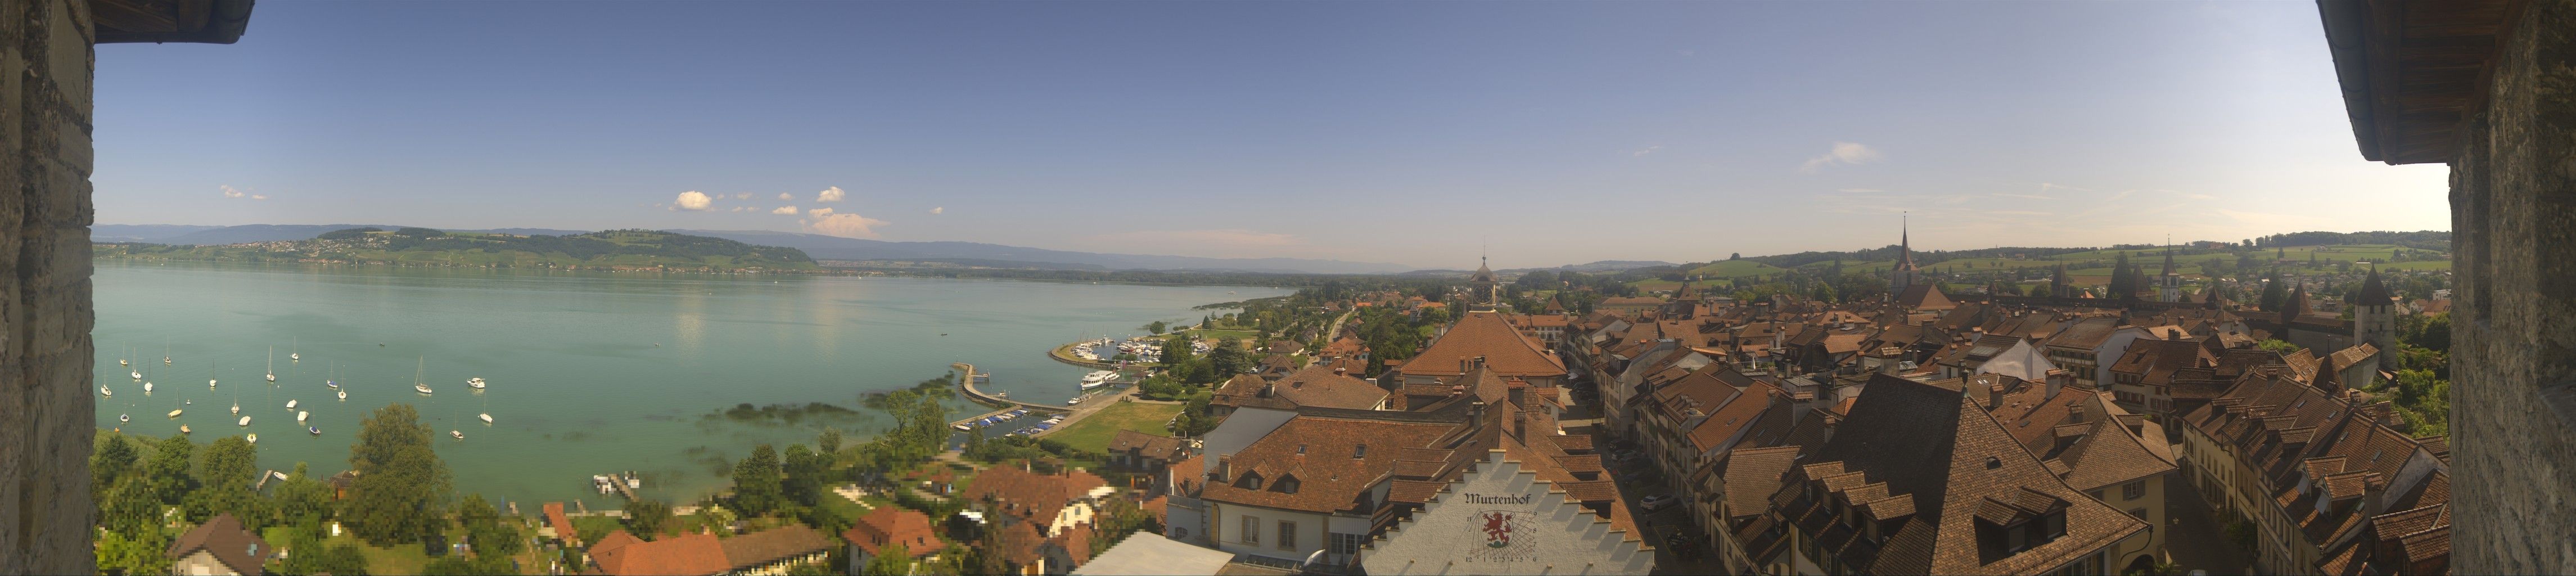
x,y
245,421
315,431
175,413
252,437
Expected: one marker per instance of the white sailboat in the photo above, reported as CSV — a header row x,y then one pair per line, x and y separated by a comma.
x,y
344,394
331,380
416,383
272,364
487,410
120,359
245,421
183,429
147,387
476,382
103,391
123,418
165,350
296,354
252,438
175,413
210,374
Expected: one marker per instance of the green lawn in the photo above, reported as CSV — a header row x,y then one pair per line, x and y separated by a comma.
x,y
1226,334
1093,432
1734,269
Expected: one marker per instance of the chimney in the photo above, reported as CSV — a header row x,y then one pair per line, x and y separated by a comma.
x,y
1337,370
1480,361
1476,411
1995,395
2075,413
2057,379
1463,366
1224,464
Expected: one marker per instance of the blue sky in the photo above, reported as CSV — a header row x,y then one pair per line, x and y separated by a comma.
x,y
1410,132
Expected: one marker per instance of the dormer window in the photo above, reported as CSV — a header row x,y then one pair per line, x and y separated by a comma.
x,y
1249,481
1285,485
1360,451
1301,448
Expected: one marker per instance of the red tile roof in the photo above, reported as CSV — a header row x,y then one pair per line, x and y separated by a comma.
x,y
1030,495
684,554
1485,334
224,537
891,525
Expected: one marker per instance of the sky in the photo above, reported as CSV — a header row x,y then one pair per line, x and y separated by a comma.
x,y
1419,133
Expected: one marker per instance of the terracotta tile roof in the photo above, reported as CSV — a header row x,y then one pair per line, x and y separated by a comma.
x,y
1485,334
1147,445
1318,451
563,526
891,525
684,554
231,545
1030,495
1574,443
1319,386
773,545
1590,491
1413,491
2085,334
1924,297
1752,475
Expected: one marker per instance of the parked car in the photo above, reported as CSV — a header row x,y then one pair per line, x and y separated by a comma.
x,y
1657,502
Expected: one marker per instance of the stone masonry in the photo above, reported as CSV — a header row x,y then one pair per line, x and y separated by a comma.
x,y
45,310
2513,221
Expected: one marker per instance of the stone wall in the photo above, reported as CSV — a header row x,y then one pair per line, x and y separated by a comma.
x,y
2513,216
45,314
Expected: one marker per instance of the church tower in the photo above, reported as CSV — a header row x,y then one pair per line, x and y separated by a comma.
x,y
2169,286
1901,277
2374,316
1483,294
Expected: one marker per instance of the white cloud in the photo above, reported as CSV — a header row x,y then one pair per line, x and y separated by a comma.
x,y
819,212
1841,153
692,200
742,196
832,194
1649,149
787,210
786,196
231,192
258,197
843,225
938,209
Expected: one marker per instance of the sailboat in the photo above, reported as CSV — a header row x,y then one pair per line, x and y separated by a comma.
x,y
210,374
165,350
183,429
315,431
476,382
487,411
416,384
120,359
296,354
344,395
253,438
147,387
103,391
272,363
245,421
459,434
331,381
123,418
175,413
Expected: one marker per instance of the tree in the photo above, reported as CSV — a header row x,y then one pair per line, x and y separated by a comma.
x,y
132,555
226,471
2276,345
828,442
1228,359
301,500
646,517
891,560
756,488
484,529
2275,295
168,471
402,487
130,508
1735,256
114,458
1157,327
803,481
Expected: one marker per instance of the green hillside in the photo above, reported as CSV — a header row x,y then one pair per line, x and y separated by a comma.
x,y
1733,269
424,247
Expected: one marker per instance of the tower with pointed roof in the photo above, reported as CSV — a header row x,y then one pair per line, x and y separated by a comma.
x,y
2169,286
2374,315
1902,277
1484,295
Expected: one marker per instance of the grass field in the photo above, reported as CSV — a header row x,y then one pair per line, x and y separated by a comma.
x,y
1093,432
1225,334
1734,269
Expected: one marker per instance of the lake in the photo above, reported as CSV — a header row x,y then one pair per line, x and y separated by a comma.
x,y
589,373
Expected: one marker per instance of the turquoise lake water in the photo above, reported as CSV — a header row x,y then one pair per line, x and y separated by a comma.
x,y
588,373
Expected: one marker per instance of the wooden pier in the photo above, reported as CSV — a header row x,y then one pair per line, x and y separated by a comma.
x,y
617,482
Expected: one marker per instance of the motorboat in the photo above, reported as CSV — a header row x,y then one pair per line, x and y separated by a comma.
x,y
300,415
487,417
103,391
245,421
175,413
1073,401
124,418
290,404
963,427
476,382
183,429
459,434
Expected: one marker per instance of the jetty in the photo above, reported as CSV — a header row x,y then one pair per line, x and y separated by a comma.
x,y
622,484
966,382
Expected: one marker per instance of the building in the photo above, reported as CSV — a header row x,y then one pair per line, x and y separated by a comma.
x,y
2116,457
1503,517
1311,483
1484,294
2315,472
560,526
769,552
2374,316
1904,275
1921,479
2169,284
888,526
1146,554
2087,347
219,546
1134,451
1483,335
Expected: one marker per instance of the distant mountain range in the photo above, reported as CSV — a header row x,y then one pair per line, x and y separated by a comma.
x,y
818,246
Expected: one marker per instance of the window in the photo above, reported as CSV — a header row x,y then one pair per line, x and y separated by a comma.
x,y
1251,530
1287,535
1346,544
1181,533
2141,513
1360,451
2133,490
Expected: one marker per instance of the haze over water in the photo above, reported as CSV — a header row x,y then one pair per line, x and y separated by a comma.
x,y
577,383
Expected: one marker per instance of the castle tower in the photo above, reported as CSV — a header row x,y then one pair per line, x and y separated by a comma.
x,y
2169,286
2374,316
1902,277
2057,287
1483,295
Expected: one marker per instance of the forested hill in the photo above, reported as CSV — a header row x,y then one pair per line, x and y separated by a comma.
x,y
427,247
